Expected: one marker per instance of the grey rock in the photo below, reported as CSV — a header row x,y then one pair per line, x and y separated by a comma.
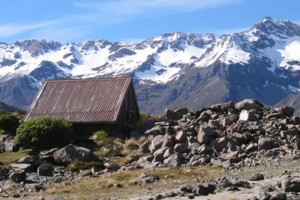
x,y
156,143
22,166
171,115
205,134
265,143
45,170
181,136
144,148
17,176
181,148
71,153
257,177
291,184
248,104
174,160
147,178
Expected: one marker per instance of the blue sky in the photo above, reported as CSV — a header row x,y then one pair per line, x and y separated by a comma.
x,y
133,20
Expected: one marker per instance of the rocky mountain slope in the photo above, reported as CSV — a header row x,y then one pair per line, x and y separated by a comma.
x,y
171,70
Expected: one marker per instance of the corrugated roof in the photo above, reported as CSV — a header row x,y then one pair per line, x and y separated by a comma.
x,y
81,100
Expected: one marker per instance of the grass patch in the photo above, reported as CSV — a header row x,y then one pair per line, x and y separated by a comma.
x,y
10,157
76,166
106,184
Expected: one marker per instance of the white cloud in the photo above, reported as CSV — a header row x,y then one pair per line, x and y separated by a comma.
x,y
8,30
127,8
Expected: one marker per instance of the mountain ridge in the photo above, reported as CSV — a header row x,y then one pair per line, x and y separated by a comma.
x,y
187,70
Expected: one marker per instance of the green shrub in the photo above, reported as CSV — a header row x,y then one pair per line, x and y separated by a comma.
x,y
44,133
8,122
102,138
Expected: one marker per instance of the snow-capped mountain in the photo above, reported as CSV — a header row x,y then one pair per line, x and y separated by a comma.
x,y
171,70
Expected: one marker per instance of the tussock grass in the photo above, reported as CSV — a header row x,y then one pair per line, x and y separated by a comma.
x,y
105,186
10,157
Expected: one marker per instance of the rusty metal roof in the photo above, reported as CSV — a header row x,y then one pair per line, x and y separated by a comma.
x,y
81,100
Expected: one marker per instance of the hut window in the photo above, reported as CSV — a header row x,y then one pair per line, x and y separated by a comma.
x,y
129,118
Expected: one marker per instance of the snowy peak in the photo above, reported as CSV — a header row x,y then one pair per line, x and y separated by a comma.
x,y
279,28
37,48
270,48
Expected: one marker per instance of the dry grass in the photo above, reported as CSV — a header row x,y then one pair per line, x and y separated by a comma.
x,y
126,184
9,157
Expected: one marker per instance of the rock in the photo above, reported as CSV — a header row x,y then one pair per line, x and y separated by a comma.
x,y
201,190
174,160
263,196
17,176
156,143
48,155
22,166
205,134
279,196
242,184
144,148
265,143
159,155
171,115
71,153
45,170
168,152
181,148
257,177
168,141
181,136
287,134
145,161
291,184
156,130
248,104
273,115
286,111
247,115
33,160
220,143
147,178
182,111
4,173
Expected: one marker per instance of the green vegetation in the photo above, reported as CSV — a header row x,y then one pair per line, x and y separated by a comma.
x,y
44,133
8,122
145,119
102,139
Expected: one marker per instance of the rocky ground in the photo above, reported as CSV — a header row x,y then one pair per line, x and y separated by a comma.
x,y
256,150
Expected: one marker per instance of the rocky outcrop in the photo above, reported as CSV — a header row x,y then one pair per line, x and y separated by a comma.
x,y
233,134
71,153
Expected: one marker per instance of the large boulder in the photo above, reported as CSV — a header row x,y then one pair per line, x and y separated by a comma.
x,y
291,185
206,134
174,160
17,176
172,115
265,143
286,111
156,143
71,153
248,104
45,169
